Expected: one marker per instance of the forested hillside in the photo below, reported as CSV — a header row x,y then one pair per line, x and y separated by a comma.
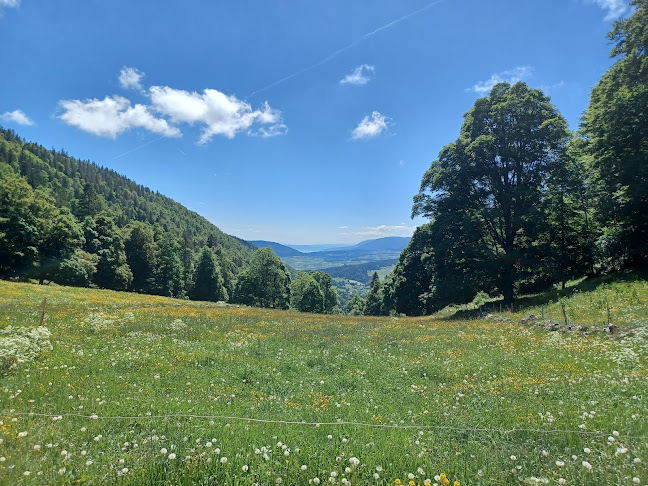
x,y
76,223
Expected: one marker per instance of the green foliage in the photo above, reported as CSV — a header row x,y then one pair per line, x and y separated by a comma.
x,y
615,127
140,249
329,294
356,306
265,282
112,270
306,294
374,300
208,282
168,277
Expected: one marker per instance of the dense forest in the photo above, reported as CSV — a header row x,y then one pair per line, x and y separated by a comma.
x,y
517,204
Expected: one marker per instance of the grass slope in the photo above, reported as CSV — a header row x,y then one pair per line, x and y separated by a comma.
x,y
478,400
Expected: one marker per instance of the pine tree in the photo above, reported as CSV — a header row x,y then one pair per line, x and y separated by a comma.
x,y
207,280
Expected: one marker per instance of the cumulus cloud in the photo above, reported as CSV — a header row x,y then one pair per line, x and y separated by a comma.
x,y
129,78
16,116
370,127
511,76
615,8
219,113
387,230
359,76
113,115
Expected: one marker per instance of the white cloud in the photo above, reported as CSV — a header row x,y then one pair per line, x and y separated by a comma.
x,y
113,115
129,78
387,230
511,76
16,116
359,76
369,128
343,227
9,4
219,113
615,8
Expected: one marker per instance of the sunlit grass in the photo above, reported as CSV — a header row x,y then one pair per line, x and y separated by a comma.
x,y
504,391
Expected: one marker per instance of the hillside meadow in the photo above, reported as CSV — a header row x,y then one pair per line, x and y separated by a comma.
x,y
137,389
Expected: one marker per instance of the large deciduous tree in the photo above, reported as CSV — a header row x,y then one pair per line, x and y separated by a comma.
x,y
265,282
485,194
616,131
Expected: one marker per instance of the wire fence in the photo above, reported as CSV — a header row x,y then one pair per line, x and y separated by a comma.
x,y
319,424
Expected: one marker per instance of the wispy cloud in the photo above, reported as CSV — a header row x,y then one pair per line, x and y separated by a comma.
x,y
614,8
386,230
370,127
216,112
8,4
511,76
334,54
129,78
16,116
359,76
343,227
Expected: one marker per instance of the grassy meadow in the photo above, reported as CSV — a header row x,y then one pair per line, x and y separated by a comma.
x,y
144,390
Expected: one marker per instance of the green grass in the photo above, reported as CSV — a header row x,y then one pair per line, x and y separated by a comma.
x,y
463,385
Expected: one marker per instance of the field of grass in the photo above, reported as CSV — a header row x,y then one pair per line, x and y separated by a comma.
x,y
146,390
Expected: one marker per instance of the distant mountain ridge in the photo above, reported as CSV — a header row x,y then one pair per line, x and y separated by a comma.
x,y
279,249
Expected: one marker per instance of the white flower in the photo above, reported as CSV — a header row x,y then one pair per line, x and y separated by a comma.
x,y
37,447
245,468
163,451
172,456
376,476
615,433
379,468
587,450
513,458
347,470
61,471
636,480
560,463
345,440
303,467
316,481
88,462
26,473
333,474
64,452
121,461
410,476
636,460
437,478
611,439
587,465
22,434
208,444
354,461
329,436
562,481
223,460
217,451
125,470
279,444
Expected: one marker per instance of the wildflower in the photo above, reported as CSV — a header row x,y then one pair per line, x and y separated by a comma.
x,y
347,470
397,482
286,452
615,433
456,483
121,462
88,462
2,459
303,467
427,483
513,458
562,481
61,471
560,463
611,439
410,476
636,480
223,460
172,456
329,436
376,476
64,452
621,450
26,473
636,460
208,444
316,480
412,483
245,468
37,447
22,434
587,465
125,470
163,451
217,451
354,461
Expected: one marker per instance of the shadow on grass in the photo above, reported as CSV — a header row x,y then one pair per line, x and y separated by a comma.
x,y
552,296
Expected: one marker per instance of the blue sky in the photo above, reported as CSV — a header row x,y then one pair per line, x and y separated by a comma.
x,y
292,121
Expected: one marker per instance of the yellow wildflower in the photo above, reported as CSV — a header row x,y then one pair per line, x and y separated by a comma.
x,y
412,483
456,483
398,482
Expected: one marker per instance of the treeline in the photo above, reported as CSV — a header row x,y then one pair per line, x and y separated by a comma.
x,y
518,204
